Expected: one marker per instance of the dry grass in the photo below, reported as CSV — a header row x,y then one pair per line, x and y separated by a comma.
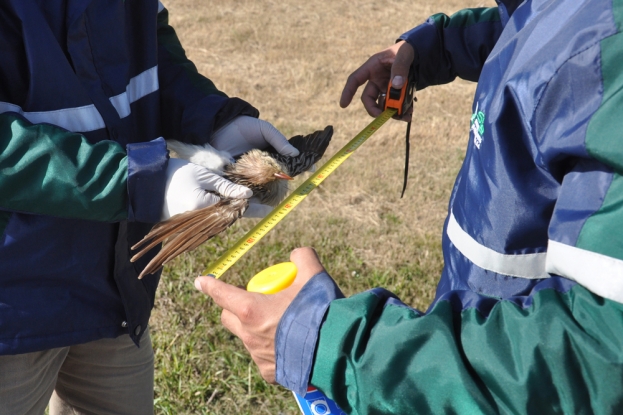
x,y
290,60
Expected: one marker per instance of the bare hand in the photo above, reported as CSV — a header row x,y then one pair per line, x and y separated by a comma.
x,y
392,63
254,317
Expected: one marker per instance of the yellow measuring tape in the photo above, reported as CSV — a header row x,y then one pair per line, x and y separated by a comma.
x,y
245,243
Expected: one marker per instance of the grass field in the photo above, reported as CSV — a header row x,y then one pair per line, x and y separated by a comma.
x,y
291,59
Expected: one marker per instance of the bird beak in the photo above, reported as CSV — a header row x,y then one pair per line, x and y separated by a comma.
x,y
283,176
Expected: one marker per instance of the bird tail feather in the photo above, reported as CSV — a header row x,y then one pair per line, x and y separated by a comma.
x,y
188,230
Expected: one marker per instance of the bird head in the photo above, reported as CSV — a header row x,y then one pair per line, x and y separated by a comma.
x,y
258,168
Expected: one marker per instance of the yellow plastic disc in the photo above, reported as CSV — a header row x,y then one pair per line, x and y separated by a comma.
x,y
273,279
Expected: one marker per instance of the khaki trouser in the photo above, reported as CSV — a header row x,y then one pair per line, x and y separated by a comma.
x,y
108,376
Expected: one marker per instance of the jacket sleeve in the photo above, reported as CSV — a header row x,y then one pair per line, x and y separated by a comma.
x,y
447,47
375,355
47,170
579,130
192,108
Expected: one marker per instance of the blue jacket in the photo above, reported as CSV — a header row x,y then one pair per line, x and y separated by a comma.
x,y
528,314
87,91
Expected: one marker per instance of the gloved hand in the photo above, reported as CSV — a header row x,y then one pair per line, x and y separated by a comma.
x,y
188,185
244,133
257,210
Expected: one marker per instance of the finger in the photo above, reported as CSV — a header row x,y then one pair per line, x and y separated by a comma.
x,y
369,97
231,323
402,64
354,81
307,263
257,210
277,140
216,183
226,296
407,116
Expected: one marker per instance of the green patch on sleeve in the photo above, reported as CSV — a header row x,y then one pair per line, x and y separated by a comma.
x,y
49,171
603,231
467,17
604,136
617,11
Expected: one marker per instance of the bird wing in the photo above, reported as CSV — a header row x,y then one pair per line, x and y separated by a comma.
x,y
311,148
186,231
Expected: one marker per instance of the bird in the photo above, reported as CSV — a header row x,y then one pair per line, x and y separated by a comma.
x,y
265,172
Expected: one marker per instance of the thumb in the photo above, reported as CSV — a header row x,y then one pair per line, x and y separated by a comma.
x,y
215,183
225,295
402,64
307,264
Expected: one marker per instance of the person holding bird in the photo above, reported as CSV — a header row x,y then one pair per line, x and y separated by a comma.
x,y
89,91
528,313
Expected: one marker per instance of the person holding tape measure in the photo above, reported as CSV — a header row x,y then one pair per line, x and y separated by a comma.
x,y
528,313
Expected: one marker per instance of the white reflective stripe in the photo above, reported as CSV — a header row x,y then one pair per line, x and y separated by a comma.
x,y
601,274
529,266
160,7
88,118
82,119
141,85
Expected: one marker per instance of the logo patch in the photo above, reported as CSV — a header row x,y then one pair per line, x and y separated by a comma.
x,y
477,125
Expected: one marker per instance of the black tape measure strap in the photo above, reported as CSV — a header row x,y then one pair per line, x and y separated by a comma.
x,y
401,100
407,145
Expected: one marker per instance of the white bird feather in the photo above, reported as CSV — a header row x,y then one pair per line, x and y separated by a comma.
x,y
205,155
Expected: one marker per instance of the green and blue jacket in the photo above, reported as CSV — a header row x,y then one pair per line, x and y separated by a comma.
x,y
88,88
528,313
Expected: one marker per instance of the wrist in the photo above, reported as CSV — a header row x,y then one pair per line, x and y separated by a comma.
x,y
297,332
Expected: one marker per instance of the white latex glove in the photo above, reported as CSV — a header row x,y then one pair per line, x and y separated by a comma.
x,y
257,210
244,133
187,188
